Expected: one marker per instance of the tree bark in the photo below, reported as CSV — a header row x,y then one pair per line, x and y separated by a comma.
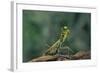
x,y
77,56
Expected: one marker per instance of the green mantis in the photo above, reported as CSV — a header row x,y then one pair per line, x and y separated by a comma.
x,y
54,49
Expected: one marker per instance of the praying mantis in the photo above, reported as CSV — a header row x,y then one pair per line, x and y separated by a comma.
x,y
54,49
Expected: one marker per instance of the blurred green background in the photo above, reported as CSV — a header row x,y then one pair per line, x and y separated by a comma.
x,y
42,28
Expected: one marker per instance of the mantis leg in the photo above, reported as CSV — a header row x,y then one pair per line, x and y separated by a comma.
x,y
58,50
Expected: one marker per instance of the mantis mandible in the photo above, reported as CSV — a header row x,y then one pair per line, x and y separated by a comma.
x,y
54,49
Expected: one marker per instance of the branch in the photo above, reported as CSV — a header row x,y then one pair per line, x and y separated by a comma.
x,y
77,56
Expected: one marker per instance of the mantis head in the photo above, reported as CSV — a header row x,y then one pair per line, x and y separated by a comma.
x,y
65,29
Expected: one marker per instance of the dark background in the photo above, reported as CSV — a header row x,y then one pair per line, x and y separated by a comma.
x,y
42,28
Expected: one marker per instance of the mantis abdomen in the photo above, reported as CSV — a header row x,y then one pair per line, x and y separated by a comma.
x,y
53,49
